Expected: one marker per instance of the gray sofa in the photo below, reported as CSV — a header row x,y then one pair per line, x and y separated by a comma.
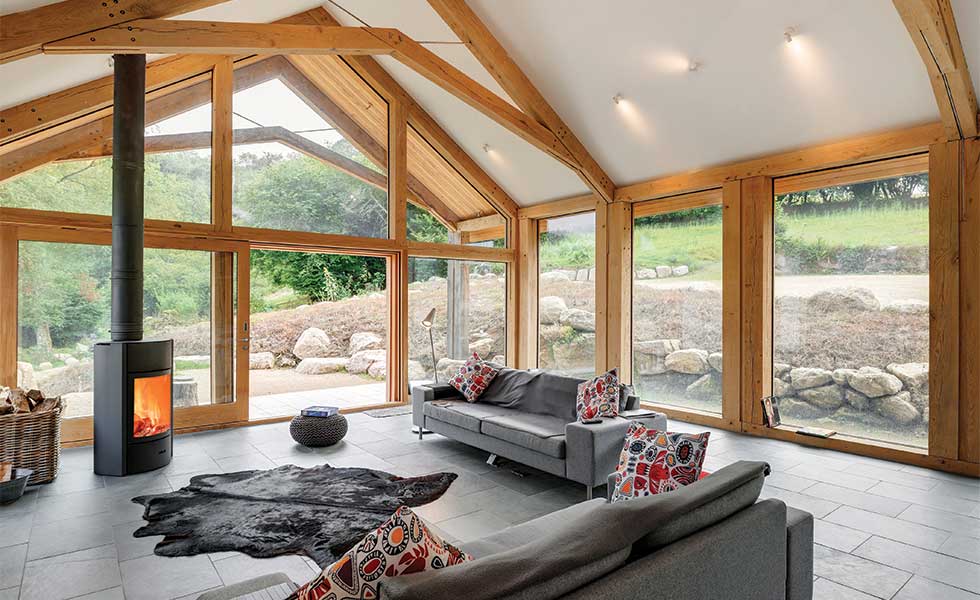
x,y
529,417
711,539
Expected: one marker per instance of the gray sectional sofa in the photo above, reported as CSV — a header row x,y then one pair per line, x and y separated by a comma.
x,y
529,417
711,539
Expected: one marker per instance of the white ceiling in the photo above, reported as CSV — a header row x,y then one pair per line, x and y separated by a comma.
x,y
851,70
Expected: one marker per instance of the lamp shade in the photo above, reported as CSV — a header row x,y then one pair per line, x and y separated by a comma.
x,y
429,318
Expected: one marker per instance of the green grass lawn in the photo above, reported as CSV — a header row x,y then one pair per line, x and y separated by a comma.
x,y
699,245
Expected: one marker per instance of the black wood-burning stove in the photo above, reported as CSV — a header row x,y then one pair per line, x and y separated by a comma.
x,y
133,378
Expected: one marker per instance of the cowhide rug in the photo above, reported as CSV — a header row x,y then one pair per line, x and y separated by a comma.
x,y
321,511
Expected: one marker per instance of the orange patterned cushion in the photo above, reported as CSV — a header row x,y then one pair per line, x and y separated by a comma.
x,y
402,545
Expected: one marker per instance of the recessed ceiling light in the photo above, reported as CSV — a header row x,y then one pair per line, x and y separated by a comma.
x,y
694,66
486,148
618,98
790,33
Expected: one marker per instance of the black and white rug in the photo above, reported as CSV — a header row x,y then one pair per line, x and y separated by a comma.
x,y
320,511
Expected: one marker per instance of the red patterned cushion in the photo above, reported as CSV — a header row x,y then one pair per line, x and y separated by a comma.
x,y
473,377
402,545
654,462
598,397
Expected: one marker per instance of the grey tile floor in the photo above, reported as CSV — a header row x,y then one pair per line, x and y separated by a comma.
x,y
883,530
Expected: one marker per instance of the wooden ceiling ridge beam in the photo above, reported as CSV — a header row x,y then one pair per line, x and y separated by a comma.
x,y
470,29
162,36
376,76
26,32
932,26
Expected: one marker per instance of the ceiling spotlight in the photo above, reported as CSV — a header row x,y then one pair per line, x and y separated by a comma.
x,y
109,61
694,66
486,148
790,33
618,98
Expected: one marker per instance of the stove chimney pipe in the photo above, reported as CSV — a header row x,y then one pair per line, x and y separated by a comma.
x,y
128,122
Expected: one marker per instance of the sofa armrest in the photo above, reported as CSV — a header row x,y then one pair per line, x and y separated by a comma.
x,y
592,450
632,402
427,393
799,554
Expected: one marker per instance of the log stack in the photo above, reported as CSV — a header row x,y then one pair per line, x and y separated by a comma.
x,y
18,400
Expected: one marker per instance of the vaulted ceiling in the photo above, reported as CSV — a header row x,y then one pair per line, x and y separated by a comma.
x,y
851,70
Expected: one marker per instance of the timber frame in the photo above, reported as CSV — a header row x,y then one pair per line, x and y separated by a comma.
x,y
948,150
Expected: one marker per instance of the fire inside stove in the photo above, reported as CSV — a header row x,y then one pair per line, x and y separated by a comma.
x,y
151,405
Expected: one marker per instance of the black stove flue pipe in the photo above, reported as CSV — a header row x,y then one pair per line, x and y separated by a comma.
x,y
128,122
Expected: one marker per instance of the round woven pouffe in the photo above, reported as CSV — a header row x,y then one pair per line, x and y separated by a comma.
x,y
315,432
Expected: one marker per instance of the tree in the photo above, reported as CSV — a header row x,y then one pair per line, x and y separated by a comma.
x,y
321,276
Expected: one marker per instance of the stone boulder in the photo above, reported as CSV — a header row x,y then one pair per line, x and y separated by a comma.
x,y
320,366
657,347
555,276
550,309
826,397
71,360
378,370
781,389
915,376
680,271
691,361
897,408
25,375
261,360
499,359
482,346
362,361
908,307
582,275
707,387
805,377
781,370
845,298
312,343
570,356
59,381
663,271
874,382
791,409
44,366
447,367
646,274
840,375
286,360
364,340
715,360
578,319
416,371
856,399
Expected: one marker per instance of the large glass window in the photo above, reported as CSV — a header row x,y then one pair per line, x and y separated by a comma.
x,y
177,166
301,162
455,308
318,333
63,309
566,288
677,306
851,308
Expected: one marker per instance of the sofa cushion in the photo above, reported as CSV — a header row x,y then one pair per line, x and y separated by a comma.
x,y
599,396
527,532
655,462
462,414
534,392
541,433
473,377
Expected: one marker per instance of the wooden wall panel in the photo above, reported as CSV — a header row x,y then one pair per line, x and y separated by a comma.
x,y
731,324
944,298
756,198
527,294
969,409
8,305
619,288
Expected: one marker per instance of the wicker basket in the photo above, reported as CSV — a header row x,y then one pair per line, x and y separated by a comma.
x,y
32,441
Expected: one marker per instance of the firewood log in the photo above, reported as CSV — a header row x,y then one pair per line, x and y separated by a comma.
x,y
48,404
35,396
6,471
6,408
22,404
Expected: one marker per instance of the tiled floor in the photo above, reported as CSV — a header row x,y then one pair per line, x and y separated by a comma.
x,y
883,530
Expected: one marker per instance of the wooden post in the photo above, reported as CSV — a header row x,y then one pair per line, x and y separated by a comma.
x,y
457,305
756,198
8,305
222,263
222,88
969,409
618,289
223,328
397,171
731,323
398,383
601,266
527,296
944,298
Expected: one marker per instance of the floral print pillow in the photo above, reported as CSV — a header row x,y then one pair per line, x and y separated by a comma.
x,y
654,462
598,397
473,377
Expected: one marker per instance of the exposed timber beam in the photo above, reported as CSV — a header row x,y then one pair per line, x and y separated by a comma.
x,y
900,142
160,36
494,57
93,96
25,32
376,76
933,30
481,223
